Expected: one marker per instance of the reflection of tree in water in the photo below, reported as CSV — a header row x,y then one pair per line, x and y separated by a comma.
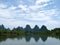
x,y
44,38
3,38
27,38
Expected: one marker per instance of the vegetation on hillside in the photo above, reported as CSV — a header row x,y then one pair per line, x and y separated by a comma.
x,y
19,31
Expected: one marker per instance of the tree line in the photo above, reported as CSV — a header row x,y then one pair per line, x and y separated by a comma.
x,y
28,30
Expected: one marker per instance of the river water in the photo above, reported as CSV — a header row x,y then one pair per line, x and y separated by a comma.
x,y
28,40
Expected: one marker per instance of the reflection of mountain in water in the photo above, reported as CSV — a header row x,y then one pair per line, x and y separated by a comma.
x,y
27,38
36,37
43,38
27,33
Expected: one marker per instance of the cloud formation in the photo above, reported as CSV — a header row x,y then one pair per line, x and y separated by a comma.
x,y
40,12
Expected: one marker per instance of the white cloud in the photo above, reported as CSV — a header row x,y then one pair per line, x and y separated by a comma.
x,y
42,1
23,7
3,5
43,15
7,12
4,13
13,8
40,4
36,7
23,14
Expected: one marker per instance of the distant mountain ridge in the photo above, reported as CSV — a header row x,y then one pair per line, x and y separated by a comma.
x,y
27,28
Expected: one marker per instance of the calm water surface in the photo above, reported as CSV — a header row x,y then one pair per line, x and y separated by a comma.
x,y
30,41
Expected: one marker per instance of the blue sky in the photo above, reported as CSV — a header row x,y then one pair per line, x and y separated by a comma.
x,y
15,13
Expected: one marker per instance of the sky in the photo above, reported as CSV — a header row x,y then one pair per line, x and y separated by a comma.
x,y
14,13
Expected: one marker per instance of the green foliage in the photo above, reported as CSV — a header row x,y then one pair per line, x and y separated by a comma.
x,y
19,31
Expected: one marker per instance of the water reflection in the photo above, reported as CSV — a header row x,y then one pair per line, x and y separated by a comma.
x,y
44,38
2,38
27,37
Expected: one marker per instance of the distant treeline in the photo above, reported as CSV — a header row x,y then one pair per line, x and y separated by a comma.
x,y
28,30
